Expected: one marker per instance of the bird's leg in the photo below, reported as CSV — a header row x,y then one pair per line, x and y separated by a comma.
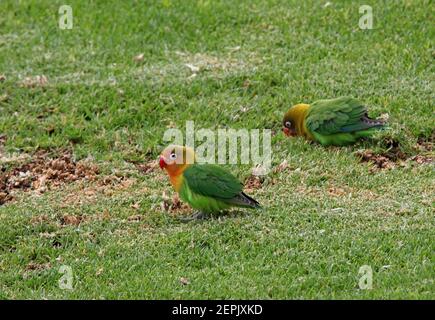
x,y
196,216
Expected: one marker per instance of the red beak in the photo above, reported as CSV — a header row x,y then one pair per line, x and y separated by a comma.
x,y
286,131
289,132
162,162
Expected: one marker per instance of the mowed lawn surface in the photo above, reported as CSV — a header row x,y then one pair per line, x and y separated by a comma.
x,y
222,64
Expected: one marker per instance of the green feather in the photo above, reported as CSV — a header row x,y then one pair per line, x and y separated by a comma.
x,y
339,121
209,188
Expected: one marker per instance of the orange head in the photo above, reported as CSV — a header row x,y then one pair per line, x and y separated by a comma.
x,y
175,159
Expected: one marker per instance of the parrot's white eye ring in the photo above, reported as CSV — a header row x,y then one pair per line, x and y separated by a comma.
x,y
288,124
173,156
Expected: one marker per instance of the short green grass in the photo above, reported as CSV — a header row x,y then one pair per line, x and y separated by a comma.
x,y
323,218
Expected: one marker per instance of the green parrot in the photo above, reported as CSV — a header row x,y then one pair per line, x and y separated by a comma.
x,y
337,122
205,187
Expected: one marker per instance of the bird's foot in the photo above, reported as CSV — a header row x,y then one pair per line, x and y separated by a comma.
x,y
196,216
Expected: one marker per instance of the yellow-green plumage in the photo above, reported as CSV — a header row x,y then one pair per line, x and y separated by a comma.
x,y
209,188
338,121
205,187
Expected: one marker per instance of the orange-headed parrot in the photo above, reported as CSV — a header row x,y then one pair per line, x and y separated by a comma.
x,y
205,187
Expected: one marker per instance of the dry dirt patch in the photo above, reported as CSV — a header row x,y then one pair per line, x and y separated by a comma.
x,y
253,183
42,172
147,167
395,157
425,144
174,204
33,266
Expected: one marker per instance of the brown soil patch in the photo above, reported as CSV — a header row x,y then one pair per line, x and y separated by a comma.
x,y
283,166
147,167
380,161
135,218
396,157
33,266
42,172
425,144
252,183
421,159
71,220
336,191
173,204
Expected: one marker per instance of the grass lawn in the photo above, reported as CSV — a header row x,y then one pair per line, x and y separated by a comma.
x,y
102,94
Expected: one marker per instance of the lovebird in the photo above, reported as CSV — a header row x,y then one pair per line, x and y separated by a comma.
x,y
338,122
205,187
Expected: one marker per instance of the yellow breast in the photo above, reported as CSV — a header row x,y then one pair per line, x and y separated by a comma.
x,y
176,181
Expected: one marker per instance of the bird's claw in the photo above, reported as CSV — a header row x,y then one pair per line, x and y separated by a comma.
x,y
195,216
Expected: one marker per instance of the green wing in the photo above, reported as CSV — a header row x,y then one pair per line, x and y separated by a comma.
x,y
212,181
341,115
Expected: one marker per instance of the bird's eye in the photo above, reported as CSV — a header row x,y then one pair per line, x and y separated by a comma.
x,y
288,124
173,156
